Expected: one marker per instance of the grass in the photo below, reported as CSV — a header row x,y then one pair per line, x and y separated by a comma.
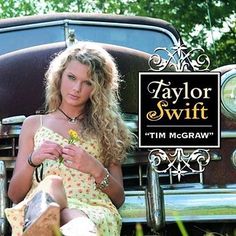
x,y
183,231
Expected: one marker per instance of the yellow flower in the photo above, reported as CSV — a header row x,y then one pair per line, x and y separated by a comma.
x,y
73,138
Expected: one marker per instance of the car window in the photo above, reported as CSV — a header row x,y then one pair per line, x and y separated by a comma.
x,y
29,36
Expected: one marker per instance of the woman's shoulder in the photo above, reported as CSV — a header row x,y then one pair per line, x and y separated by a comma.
x,y
33,122
30,126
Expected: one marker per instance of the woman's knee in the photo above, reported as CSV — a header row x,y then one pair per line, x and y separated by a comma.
x,y
53,181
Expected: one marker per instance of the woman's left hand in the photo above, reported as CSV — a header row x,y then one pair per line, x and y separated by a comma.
x,y
77,158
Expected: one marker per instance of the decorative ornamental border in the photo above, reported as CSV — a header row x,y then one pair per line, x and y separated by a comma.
x,y
179,59
179,163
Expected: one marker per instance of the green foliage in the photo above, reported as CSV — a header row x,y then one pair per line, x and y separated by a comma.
x,y
139,230
196,20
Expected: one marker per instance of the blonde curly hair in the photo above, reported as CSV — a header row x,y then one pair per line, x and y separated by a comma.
x,y
102,114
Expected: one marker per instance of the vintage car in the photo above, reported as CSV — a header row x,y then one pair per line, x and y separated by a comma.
x,y
201,201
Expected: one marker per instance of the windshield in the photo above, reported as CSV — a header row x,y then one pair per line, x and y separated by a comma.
x,y
141,37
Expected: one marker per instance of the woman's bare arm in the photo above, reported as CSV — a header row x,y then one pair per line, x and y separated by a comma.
x,y
22,175
115,188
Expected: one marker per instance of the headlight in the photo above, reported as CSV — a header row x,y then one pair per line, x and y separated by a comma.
x,y
233,158
228,94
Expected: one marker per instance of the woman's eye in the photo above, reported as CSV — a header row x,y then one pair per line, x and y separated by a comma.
x,y
71,77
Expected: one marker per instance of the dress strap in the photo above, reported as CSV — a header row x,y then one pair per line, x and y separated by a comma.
x,y
41,120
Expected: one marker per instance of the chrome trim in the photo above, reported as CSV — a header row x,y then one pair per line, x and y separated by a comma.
x,y
233,158
155,201
3,197
70,36
215,156
30,26
182,191
132,125
66,33
228,134
224,80
230,186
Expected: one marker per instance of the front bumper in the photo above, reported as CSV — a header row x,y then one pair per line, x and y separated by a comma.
x,y
188,203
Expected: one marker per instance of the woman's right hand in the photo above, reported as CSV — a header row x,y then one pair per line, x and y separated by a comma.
x,y
48,150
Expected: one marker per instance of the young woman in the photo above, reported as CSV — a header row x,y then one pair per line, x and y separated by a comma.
x,y
69,159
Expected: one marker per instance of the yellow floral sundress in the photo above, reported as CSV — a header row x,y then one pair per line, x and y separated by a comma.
x,y
80,189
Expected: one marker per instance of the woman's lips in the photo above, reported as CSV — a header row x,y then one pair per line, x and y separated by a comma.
x,y
74,97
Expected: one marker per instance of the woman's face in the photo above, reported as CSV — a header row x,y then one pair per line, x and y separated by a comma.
x,y
76,85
